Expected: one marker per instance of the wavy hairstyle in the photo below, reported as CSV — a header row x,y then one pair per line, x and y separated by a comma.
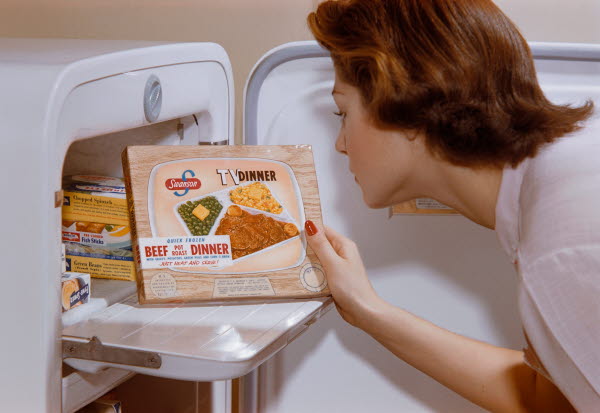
x,y
457,70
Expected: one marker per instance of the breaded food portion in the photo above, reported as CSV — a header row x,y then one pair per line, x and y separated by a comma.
x,y
256,195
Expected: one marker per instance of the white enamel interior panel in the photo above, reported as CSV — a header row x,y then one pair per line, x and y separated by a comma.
x,y
80,388
116,102
445,269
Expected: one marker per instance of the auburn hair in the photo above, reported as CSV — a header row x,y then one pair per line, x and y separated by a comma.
x,y
458,71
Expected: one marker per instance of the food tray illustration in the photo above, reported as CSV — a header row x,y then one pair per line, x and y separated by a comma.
x,y
253,230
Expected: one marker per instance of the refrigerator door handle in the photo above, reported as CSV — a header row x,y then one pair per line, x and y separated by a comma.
x,y
276,57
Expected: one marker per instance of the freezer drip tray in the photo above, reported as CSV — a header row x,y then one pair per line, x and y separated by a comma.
x,y
188,342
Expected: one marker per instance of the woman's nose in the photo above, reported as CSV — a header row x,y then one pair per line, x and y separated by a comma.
x,y
340,143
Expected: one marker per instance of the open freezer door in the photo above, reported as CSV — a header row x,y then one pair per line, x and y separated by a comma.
x,y
413,261
186,342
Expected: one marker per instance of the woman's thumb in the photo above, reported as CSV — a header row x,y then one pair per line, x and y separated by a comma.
x,y
319,243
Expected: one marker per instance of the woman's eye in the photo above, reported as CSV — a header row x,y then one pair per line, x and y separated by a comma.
x,y
340,114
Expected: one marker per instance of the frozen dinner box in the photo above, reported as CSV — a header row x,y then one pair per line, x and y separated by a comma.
x,y
212,224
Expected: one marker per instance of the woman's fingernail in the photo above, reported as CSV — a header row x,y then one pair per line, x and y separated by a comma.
x,y
311,228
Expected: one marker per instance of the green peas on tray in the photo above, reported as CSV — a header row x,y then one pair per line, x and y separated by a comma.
x,y
195,225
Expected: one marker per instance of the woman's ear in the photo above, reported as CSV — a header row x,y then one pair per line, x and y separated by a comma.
x,y
412,135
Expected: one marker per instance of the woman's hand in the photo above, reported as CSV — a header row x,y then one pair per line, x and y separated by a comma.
x,y
347,279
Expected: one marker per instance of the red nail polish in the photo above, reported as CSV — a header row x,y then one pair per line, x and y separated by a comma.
x,y
311,228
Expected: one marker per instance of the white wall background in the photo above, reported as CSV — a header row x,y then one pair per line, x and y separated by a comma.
x,y
555,20
247,29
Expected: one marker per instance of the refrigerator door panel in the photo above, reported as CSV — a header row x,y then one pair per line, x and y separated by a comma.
x,y
445,269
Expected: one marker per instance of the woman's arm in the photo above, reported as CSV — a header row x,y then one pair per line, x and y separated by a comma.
x,y
494,378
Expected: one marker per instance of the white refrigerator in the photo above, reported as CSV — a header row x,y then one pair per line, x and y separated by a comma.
x,y
70,107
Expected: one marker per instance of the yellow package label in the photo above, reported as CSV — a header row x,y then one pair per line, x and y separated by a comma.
x,y
79,206
102,267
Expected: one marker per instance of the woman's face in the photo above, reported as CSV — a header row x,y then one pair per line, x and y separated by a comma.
x,y
385,163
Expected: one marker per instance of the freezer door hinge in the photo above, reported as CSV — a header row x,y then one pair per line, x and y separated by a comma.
x,y
180,131
58,198
96,351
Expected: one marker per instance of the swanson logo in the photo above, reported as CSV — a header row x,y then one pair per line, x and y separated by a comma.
x,y
183,185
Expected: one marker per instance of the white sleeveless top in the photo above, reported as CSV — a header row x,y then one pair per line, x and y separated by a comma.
x,y
548,222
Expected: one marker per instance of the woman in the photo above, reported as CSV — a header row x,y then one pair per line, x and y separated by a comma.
x,y
440,99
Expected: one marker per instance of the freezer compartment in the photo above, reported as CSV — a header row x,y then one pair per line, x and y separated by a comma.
x,y
101,155
185,342
98,120
102,117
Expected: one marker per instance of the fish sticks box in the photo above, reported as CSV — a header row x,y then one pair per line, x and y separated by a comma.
x,y
94,212
213,224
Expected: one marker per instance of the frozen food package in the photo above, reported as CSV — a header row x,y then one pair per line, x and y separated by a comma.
x,y
94,212
213,224
112,264
63,258
103,405
75,289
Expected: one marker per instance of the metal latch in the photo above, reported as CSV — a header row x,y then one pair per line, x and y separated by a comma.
x,y
96,351
222,142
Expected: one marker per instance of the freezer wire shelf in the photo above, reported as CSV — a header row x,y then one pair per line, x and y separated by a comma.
x,y
190,342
